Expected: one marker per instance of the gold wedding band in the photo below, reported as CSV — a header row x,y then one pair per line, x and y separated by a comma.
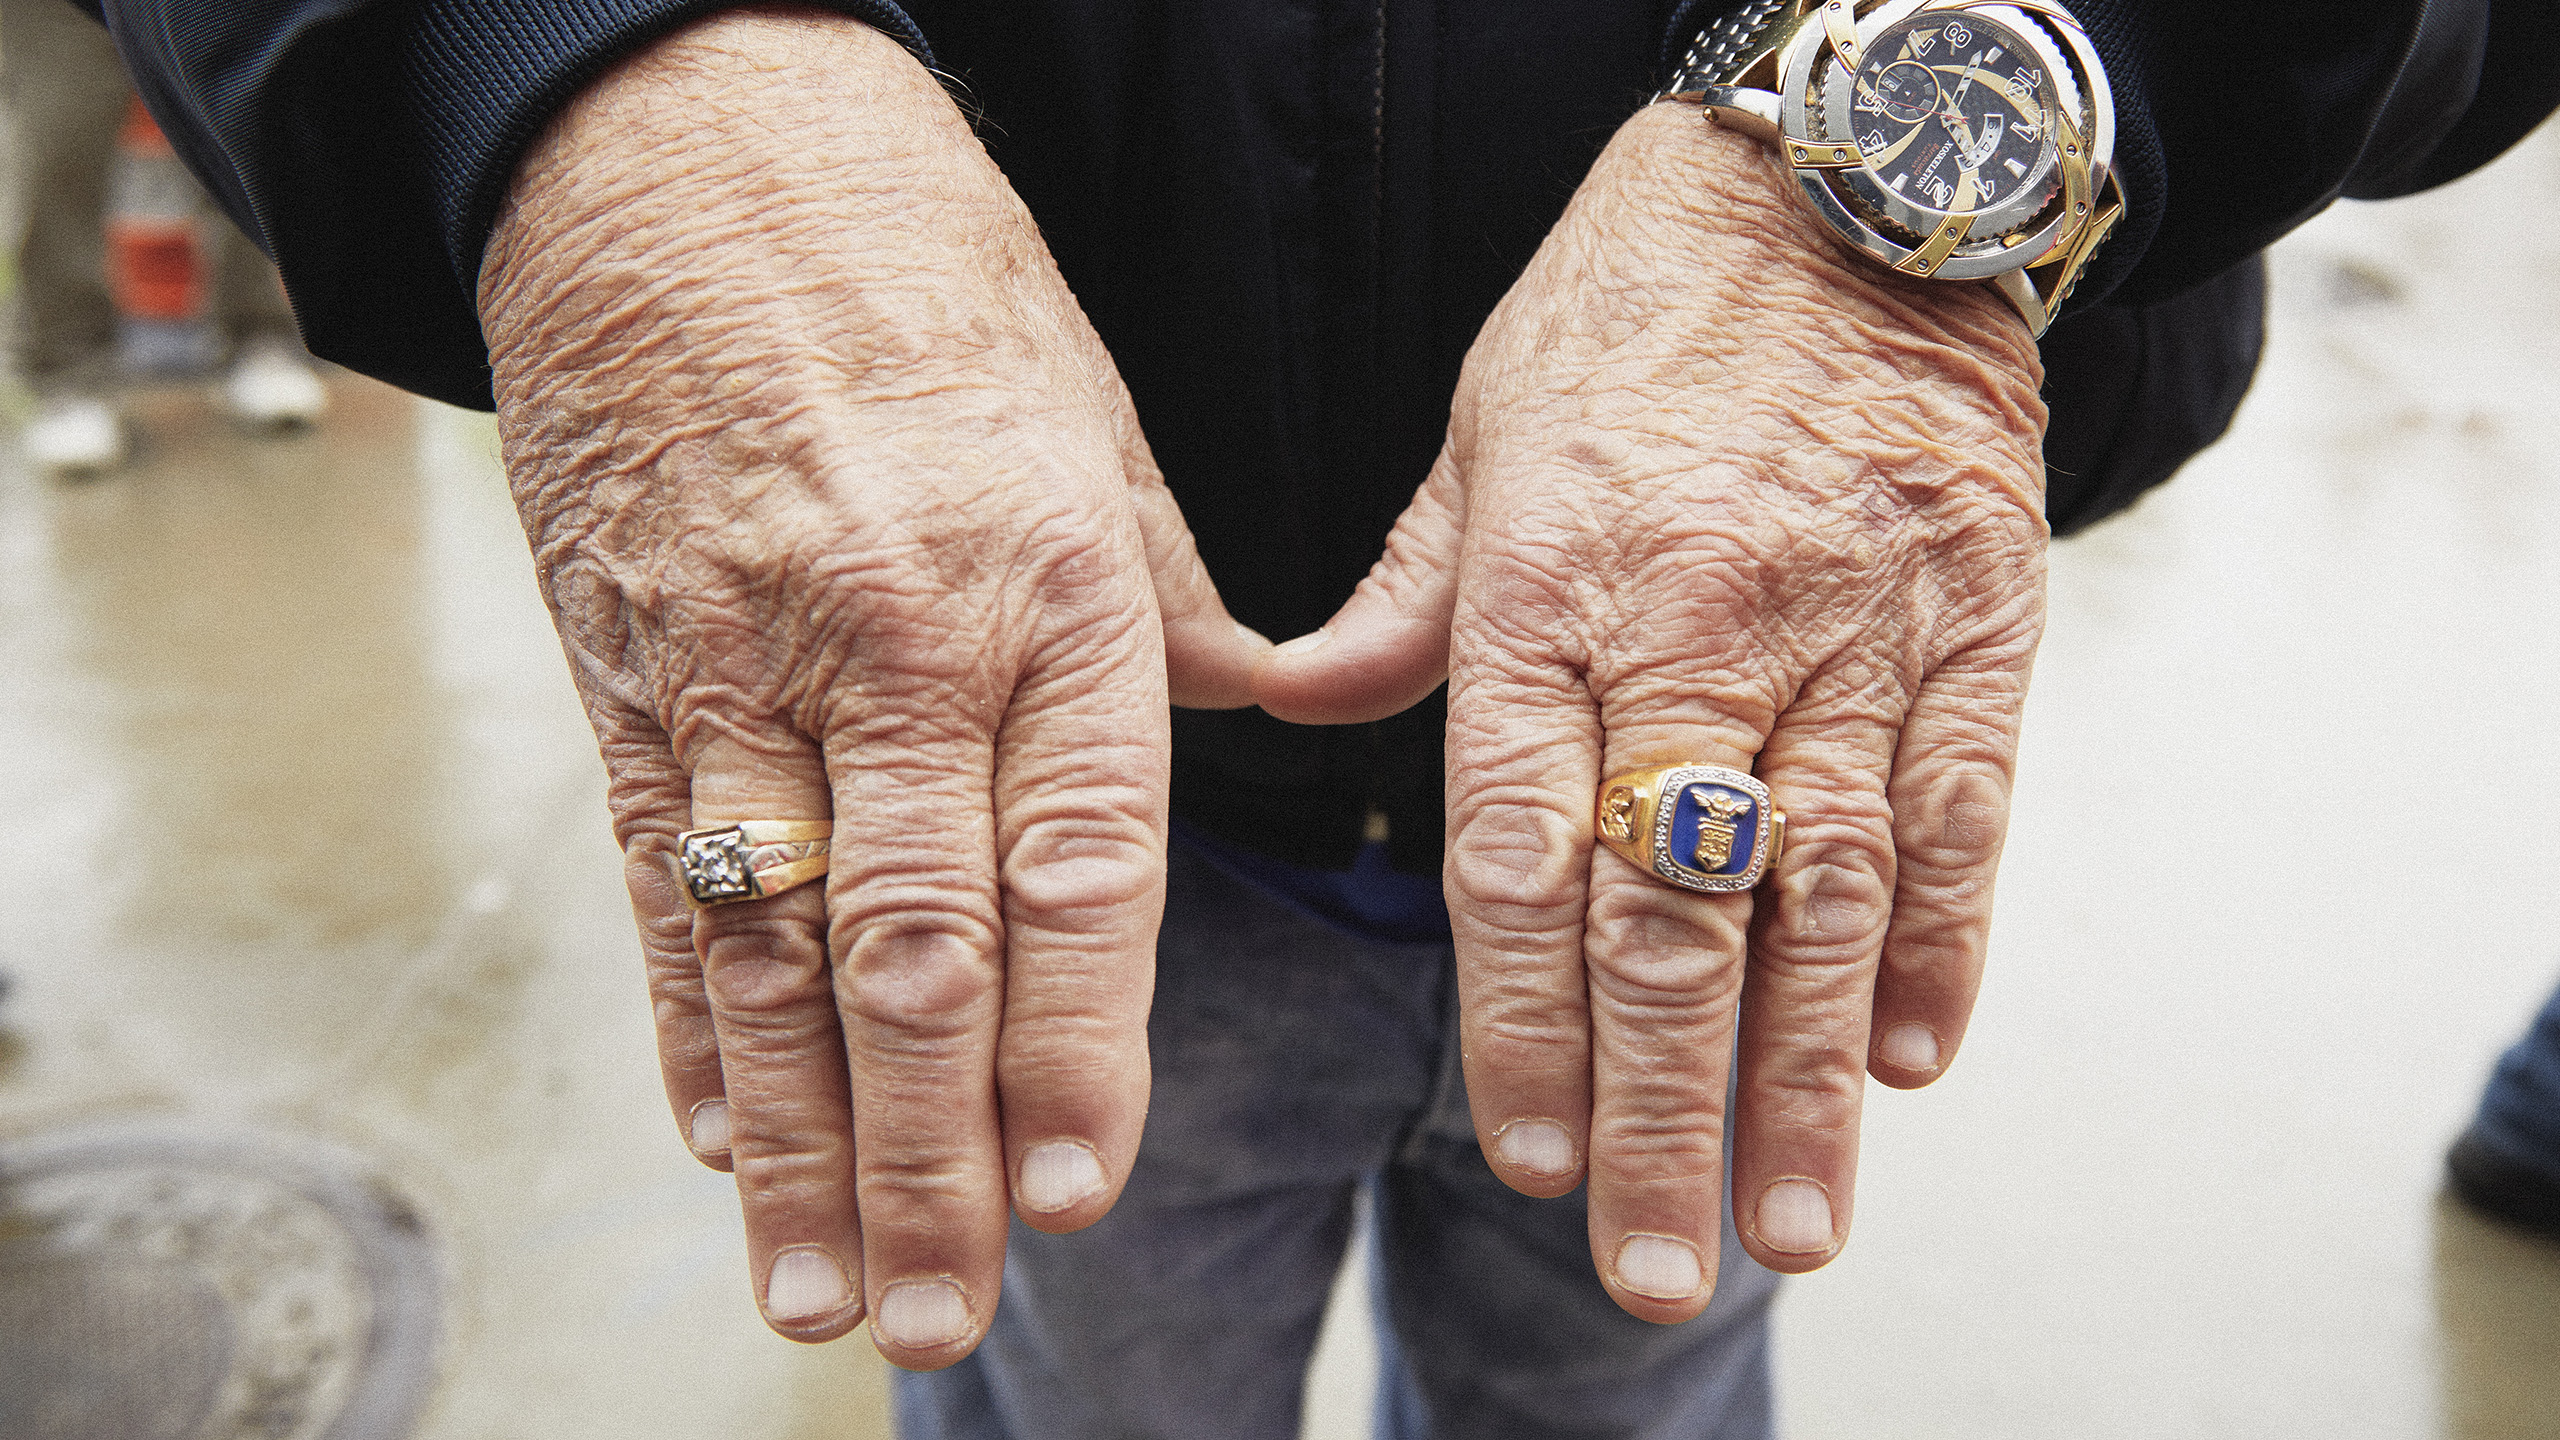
x,y
750,859
1700,827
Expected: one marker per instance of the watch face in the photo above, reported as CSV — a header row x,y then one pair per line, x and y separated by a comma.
x,y
1955,113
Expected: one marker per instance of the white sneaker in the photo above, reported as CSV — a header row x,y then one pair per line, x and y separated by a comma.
x,y
75,435
273,388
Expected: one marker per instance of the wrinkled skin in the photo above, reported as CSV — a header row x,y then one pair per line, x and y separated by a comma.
x,y
842,510
1715,491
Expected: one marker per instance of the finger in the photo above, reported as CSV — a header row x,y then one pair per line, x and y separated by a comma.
x,y
651,801
1081,768
1950,796
1388,647
1209,655
1665,965
1818,924
764,968
919,945
1523,762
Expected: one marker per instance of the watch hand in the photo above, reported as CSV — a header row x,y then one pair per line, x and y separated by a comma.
x,y
1953,115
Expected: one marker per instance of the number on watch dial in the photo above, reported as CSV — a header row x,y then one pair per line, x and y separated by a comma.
x,y
1952,114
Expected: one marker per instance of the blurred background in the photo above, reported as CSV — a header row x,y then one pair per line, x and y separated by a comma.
x,y
327,1106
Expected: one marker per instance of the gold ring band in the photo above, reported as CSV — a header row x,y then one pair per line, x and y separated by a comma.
x,y
1700,827
750,859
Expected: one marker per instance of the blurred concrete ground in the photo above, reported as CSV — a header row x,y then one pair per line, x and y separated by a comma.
x,y
313,873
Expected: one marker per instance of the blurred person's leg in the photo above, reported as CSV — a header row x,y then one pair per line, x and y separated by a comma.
x,y
1294,1063
271,383
66,93
2508,1163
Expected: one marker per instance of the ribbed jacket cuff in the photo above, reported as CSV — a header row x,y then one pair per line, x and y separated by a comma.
x,y
486,75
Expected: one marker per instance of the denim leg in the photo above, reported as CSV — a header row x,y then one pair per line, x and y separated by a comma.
x,y
1501,1328
2520,1112
1295,1063
1289,1059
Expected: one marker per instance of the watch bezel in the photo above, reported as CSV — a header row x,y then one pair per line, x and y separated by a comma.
x,y
1999,242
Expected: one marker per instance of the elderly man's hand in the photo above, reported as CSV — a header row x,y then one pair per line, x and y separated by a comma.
x,y
1715,491
842,511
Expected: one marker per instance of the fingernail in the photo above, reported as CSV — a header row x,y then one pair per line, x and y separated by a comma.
x,y
921,1314
1541,1147
1659,1266
1312,640
1794,1218
804,1281
1058,1174
708,1127
1909,1047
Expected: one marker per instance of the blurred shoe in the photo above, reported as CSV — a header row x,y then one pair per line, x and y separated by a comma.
x,y
2504,1187
272,387
75,435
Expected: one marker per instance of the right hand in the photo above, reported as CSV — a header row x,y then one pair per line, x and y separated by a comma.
x,y
842,510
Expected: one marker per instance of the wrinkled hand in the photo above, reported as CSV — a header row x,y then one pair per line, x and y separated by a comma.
x,y
842,511
1715,491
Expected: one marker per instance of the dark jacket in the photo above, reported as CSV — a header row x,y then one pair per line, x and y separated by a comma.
x,y
1288,219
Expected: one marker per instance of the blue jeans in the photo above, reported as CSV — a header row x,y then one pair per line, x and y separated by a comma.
x,y
1296,1065
2520,1112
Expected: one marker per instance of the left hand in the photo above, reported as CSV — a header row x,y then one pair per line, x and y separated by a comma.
x,y
1716,490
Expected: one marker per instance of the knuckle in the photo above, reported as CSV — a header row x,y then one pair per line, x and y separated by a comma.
x,y
1519,860
1658,952
645,794
1955,825
1520,1028
1682,699
667,957
797,1171
1662,991
1817,1089
685,1041
1832,898
676,991
1948,933
1658,1139
1059,1061
917,1188
1064,871
926,985
657,902
765,972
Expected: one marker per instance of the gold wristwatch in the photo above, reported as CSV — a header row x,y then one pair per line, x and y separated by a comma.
x,y
1949,139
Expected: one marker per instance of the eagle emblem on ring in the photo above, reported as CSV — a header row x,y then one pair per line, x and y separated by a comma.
x,y
1716,814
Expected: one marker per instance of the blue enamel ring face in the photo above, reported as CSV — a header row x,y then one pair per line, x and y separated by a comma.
x,y
1714,829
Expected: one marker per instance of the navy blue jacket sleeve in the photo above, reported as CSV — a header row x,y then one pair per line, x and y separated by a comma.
x,y
366,144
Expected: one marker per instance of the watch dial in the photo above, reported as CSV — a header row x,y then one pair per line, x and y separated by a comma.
x,y
1954,113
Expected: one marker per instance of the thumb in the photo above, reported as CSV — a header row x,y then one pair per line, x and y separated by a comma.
x,y
1209,655
1389,646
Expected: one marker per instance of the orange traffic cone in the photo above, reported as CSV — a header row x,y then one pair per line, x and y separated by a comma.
x,y
156,254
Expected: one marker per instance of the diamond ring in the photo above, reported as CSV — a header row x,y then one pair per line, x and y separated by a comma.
x,y
1700,827
750,859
